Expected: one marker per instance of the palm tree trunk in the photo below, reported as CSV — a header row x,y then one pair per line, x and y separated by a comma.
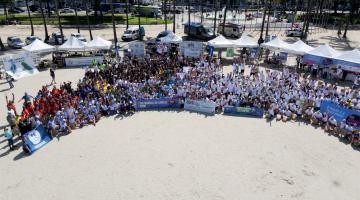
x,y
88,22
44,21
189,14
261,39
48,8
139,20
349,18
59,21
215,8
165,12
77,17
202,12
30,19
127,14
174,15
113,23
268,20
5,11
96,8
295,13
225,11
2,47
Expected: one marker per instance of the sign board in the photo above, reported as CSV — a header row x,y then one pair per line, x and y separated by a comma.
x,y
244,111
36,138
200,106
191,48
145,104
229,52
283,56
19,65
82,61
137,49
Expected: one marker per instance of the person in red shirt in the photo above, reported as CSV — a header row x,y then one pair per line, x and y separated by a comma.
x,y
10,104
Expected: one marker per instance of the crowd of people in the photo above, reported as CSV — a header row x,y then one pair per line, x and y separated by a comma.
x,y
113,87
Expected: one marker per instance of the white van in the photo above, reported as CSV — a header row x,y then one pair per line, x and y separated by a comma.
x,y
231,30
132,33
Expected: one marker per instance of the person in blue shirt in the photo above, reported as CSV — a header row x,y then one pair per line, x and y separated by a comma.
x,y
27,98
9,136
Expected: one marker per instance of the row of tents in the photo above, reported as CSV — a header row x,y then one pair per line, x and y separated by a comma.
x,y
72,44
322,55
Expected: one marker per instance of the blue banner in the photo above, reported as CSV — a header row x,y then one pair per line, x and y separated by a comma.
x,y
146,104
338,112
244,111
200,106
36,138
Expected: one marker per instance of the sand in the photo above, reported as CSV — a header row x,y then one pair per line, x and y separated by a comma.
x,y
178,155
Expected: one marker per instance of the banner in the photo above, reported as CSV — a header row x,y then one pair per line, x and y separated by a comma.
x,y
338,112
191,48
137,49
200,106
36,138
145,104
19,65
244,111
83,61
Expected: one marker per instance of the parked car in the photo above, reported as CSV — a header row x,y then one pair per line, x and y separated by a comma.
x,y
31,39
78,36
15,10
294,32
162,34
15,42
67,10
55,38
132,33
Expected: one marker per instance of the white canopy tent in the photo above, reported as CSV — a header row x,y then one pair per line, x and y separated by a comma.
x,y
73,44
99,43
275,44
39,46
220,42
245,41
298,48
171,38
349,60
323,54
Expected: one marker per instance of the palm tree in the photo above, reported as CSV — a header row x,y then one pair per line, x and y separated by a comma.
x,y
113,22
350,17
261,39
2,47
48,8
139,20
5,4
30,19
215,8
76,16
174,15
88,21
127,14
165,12
44,21
59,21
225,11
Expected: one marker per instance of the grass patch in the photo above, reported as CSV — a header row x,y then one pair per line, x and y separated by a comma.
x,y
69,19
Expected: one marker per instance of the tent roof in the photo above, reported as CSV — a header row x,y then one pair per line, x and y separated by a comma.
x,y
299,48
39,46
350,56
245,41
99,43
73,44
324,51
276,43
220,42
171,38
